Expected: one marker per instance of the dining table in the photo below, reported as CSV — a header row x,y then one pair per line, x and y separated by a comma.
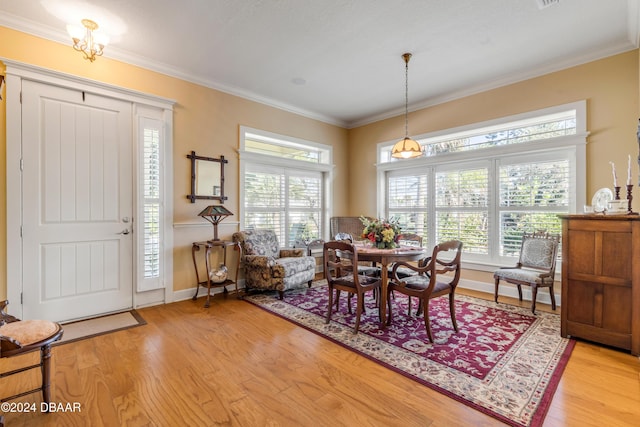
x,y
385,258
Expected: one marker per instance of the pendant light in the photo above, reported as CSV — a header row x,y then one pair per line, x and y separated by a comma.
x,y
406,148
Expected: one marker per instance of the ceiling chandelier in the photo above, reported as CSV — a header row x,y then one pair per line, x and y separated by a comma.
x,y
87,40
406,148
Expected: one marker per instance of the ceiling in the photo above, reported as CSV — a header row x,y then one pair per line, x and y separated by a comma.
x,y
340,61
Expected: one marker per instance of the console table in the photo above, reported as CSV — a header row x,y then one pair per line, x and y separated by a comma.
x,y
208,246
601,279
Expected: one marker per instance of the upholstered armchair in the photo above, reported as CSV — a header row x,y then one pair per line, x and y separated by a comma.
x,y
269,267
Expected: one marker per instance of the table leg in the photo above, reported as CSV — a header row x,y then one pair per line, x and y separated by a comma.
x,y
384,277
195,248
207,263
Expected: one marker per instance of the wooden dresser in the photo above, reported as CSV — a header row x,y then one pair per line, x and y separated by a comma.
x,y
601,279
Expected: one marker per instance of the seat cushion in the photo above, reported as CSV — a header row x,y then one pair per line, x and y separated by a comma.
x,y
421,282
27,332
293,265
521,275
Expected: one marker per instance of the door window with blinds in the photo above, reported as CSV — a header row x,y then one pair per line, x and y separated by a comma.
x,y
283,183
150,206
489,184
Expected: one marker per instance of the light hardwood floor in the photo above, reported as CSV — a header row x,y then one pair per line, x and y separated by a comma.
x,y
235,364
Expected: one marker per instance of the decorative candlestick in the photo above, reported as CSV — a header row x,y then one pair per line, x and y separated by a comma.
x,y
617,188
629,198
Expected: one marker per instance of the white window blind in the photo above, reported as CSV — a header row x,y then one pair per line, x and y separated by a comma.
x,y
532,194
283,185
408,197
287,201
150,246
462,203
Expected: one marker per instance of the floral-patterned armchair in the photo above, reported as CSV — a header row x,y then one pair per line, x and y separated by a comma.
x,y
267,266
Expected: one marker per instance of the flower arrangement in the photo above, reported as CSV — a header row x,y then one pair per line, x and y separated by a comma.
x,y
382,233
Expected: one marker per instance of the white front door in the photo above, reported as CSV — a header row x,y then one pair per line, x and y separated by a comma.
x,y
77,203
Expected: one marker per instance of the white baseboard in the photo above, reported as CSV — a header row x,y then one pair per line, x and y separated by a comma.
x,y
509,290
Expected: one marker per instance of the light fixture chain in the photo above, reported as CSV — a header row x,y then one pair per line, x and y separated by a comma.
x,y
406,98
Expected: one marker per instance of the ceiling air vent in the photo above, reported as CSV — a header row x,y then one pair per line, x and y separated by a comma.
x,y
546,3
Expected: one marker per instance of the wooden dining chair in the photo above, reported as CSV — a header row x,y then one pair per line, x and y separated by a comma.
x,y
341,271
436,276
18,337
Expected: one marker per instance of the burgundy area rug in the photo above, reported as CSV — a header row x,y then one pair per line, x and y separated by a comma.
x,y
504,361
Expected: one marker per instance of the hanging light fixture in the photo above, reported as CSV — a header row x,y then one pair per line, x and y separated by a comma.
x,y
87,40
406,148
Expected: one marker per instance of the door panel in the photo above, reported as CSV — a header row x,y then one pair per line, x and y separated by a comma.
x,y
77,189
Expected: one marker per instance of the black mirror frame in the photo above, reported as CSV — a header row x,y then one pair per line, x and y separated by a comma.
x,y
193,196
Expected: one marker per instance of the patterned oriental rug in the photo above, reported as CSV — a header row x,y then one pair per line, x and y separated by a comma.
x,y
504,361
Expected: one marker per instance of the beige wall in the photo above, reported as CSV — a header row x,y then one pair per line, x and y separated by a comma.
x,y
207,121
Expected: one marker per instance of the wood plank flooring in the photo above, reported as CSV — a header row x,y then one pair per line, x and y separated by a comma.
x,y
237,365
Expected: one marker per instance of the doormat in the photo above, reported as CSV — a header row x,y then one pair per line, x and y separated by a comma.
x,y
504,361
93,327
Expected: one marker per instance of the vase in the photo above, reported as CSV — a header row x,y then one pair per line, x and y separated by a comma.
x,y
219,275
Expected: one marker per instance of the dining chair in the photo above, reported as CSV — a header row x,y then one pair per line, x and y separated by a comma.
x,y
341,271
408,239
536,266
436,276
370,269
18,337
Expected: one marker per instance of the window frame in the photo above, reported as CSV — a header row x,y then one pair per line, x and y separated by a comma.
x,y
571,146
254,160
162,120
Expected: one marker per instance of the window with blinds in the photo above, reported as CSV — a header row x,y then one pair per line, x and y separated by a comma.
x,y
282,192
151,204
531,194
408,197
488,198
462,208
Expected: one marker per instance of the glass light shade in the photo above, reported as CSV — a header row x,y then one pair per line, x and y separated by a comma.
x,y
100,38
76,32
406,148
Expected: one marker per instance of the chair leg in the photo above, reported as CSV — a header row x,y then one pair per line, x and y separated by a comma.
x,y
281,295
45,362
553,297
389,308
495,292
419,309
519,292
452,310
309,283
534,295
359,305
427,322
330,309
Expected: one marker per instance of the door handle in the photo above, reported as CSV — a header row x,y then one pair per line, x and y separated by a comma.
x,y
125,231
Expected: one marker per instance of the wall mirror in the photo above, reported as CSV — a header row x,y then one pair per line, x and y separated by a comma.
x,y
207,177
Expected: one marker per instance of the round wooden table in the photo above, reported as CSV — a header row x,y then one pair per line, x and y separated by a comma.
x,y
386,257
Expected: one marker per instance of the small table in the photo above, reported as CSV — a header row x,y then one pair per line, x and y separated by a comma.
x,y
385,257
208,245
